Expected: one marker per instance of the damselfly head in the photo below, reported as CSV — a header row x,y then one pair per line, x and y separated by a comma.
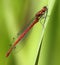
x,y
44,9
41,12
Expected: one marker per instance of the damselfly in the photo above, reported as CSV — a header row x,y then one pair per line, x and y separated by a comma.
x,y
36,19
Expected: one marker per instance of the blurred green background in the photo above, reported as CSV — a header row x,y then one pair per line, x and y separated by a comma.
x,y
14,14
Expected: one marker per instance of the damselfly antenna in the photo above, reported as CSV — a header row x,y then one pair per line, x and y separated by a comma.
x,y
36,19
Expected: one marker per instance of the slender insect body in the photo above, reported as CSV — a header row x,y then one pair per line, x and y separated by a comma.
x,y
37,17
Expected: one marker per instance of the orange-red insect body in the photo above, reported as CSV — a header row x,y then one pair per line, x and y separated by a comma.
x,y
37,17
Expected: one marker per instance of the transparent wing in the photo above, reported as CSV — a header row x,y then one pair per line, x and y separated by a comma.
x,y
22,43
25,26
